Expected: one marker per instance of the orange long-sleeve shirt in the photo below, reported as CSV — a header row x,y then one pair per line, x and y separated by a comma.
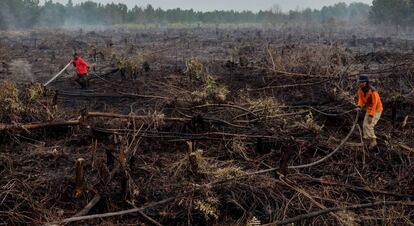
x,y
371,99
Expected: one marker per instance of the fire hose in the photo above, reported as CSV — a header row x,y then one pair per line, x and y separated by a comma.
x,y
57,75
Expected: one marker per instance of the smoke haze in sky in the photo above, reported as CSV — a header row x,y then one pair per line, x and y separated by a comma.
x,y
203,5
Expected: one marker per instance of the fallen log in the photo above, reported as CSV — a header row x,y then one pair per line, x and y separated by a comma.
x,y
134,210
104,115
89,206
336,209
78,121
355,188
187,136
38,125
136,117
115,95
287,86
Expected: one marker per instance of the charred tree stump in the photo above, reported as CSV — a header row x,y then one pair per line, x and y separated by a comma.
x,y
109,159
193,162
122,160
284,160
189,147
80,177
125,188
192,157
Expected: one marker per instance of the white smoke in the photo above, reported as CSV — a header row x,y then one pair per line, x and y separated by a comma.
x,y
20,71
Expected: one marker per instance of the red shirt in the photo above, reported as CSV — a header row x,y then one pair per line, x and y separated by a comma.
x,y
81,66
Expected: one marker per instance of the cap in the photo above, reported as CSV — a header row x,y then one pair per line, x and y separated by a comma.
x,y
363,78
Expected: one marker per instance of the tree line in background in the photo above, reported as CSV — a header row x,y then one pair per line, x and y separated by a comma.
x,y
30,13
393,12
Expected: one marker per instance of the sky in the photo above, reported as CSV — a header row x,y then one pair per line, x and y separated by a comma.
x,y
208,5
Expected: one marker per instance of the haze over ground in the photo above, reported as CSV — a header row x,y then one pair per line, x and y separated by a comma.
x,y
202,5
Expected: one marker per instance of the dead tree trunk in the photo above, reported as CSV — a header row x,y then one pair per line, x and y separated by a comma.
x,y
80,177
192,157
125,190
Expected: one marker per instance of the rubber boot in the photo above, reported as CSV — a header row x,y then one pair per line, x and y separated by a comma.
x,y
87,82
79,81
372,144
83,82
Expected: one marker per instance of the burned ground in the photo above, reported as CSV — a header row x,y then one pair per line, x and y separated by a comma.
x,y
203,127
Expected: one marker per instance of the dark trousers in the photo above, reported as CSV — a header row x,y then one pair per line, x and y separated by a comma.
x,y
83,80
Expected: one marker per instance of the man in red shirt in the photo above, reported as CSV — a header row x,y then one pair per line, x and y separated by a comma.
x,y
81,70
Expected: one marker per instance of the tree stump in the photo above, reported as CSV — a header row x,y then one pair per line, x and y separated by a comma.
x,y
80,177
192,157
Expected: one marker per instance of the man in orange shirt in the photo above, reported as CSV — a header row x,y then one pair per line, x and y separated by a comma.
x,y
81,70
369,97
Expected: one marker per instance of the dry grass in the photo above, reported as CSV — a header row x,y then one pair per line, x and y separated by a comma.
x,y
9,99
34,91
210,90
310,123
268,106
194,68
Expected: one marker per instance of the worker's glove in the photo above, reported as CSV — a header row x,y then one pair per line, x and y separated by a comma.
x,y
358,109
370,119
